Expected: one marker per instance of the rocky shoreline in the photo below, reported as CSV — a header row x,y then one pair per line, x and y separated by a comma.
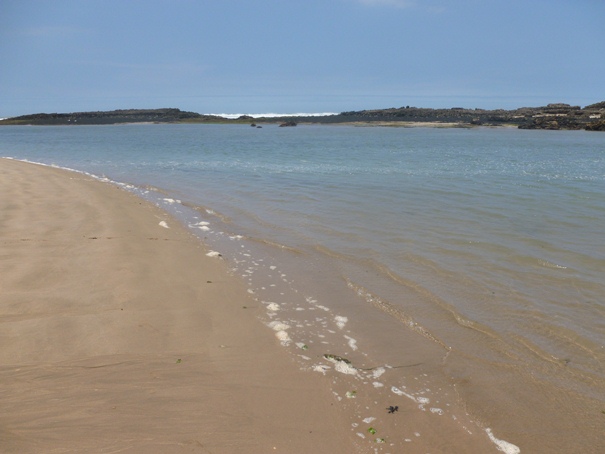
x,y
112,117
552,117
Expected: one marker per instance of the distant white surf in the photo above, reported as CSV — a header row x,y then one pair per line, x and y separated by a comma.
x,y
272,115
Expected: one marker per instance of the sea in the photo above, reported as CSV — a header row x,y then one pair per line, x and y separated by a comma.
x,y
454,273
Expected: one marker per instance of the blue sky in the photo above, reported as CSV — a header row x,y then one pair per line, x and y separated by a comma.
x,y
244,56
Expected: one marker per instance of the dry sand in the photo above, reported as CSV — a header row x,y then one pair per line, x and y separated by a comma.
x,y
120,336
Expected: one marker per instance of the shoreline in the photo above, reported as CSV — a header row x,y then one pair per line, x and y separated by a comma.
x,y
120,333
506,395
290,405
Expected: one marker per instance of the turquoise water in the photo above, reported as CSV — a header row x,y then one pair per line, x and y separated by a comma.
x,y
488,243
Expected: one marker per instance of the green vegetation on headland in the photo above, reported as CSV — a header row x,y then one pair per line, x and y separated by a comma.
x,y
552,116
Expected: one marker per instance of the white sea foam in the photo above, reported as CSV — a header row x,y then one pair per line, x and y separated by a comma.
x,y
342,366
203,225
273,307
419,400
352,343
272,115
284,337
341,321
278,326
399,392
502,445
345,368
548,264
320,368
376,373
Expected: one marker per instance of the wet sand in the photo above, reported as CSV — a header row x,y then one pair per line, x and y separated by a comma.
x,y
120,335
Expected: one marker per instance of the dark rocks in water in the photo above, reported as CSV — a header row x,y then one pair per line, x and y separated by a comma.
x,y
541,123
245,117
552,116
596,126
287,123
560,116
253,124
556,116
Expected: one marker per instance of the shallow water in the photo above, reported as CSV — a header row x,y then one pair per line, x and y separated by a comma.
x,y
477,254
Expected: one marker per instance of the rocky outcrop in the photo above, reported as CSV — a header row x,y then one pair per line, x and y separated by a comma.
x,y
599,105
596,126
552,116
287,123
111,117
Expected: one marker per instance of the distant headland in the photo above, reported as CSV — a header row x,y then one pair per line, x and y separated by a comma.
x,y
553,117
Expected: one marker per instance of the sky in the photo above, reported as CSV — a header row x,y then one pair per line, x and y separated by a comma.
x,y
288,56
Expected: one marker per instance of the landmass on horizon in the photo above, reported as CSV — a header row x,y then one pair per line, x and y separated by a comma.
x,y
552,116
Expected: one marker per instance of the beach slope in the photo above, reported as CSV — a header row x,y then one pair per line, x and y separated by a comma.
x,y
120,335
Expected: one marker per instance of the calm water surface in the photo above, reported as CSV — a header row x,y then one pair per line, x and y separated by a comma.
x,y
486,244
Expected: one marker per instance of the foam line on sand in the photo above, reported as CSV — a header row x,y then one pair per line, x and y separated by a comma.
x,y
121,335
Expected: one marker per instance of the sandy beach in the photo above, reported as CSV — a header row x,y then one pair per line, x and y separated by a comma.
x,y
120,335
